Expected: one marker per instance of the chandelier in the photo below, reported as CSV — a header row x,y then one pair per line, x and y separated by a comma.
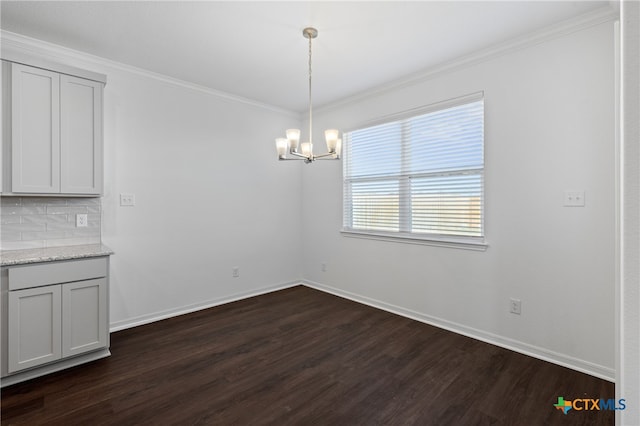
x,y
291,143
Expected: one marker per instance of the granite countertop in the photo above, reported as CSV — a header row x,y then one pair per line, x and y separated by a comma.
x,y
21,257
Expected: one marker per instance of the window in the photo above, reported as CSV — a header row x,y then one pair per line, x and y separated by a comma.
x,y
419,177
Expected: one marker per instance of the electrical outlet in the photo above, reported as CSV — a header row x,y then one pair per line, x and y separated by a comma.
x,y
515,306
127,200
81,220
574,198
236,272
323,266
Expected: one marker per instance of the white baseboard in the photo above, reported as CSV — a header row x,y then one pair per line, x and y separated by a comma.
x,y
494,339
53,367
573,363
157,316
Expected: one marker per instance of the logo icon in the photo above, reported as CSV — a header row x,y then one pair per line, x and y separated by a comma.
x,y
563,405
589,404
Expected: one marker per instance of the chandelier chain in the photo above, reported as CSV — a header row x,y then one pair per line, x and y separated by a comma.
x,y
310,103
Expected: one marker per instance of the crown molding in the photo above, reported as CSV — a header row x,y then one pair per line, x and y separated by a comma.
x,y
561,29
21,57
28,45
14,43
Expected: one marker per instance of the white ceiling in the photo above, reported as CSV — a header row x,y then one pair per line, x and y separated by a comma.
x,y
256,49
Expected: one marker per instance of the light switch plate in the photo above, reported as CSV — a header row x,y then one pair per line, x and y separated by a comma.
x,y
127,199
574,198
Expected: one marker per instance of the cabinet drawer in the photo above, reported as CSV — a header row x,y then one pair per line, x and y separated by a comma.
x,y
36,275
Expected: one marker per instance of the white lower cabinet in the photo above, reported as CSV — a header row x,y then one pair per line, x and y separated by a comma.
x,y
54,312
84,316
34,327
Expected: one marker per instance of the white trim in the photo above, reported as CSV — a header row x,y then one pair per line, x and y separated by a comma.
x,y
53,367
170,313
619,394
584,21
453,242
420,110
59,53
18,44
629,304
36,61
573,363
494,339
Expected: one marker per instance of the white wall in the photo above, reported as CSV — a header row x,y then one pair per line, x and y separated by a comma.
x,y
210,196
210,192
549,127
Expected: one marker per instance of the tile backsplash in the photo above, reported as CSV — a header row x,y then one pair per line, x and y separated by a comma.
x,y
38,222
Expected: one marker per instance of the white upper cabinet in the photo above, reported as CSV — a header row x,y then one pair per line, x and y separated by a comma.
x,y
80,136
54,143
35,130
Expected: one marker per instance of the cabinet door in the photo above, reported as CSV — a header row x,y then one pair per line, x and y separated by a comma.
x,y
35,130
34,327
80,136
84,316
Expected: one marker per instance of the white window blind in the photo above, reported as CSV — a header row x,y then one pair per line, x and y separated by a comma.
x,y
420,176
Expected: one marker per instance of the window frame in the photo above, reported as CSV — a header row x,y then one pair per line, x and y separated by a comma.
x,y
404,182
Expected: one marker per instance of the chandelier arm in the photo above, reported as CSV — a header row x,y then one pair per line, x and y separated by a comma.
x,y
301,156
325,155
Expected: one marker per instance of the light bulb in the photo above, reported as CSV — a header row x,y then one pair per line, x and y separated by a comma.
x,y
331,137
293,135
306,149
281,146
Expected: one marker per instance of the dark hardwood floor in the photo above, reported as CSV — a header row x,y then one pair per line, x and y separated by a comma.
x,y
300,357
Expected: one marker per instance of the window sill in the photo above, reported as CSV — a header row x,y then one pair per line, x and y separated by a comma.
x,y
453,242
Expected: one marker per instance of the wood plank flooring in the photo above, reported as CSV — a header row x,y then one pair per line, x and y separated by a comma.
x,y
303,357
